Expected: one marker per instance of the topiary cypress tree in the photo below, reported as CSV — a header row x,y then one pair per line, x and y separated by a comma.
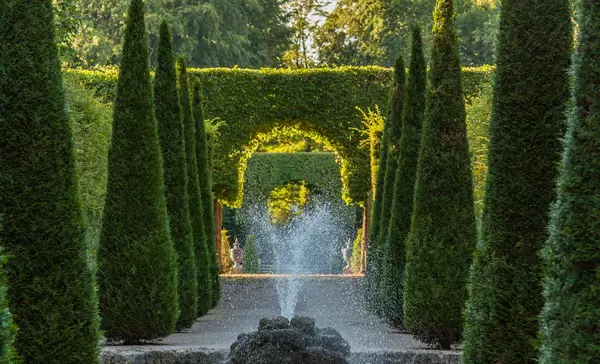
x,y
570,319
51,288
530,94
442,235
206,194
137,267
371,260
387,197
170,131
383,199
401,211
203,261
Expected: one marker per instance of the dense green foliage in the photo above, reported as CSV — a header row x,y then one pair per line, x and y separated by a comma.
x,y
170,131
443,233
394,131
571,317
251,259
404,182
206,195
203,257
51,290
530,94
326,112
374,222
91,124
266,171
479,112
137,266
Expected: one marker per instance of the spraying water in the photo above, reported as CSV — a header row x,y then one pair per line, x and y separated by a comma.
x,y
308,244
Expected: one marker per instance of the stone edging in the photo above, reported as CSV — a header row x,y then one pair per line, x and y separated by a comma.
x,y
139,355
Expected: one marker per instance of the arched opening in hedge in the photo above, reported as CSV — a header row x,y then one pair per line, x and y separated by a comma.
x,y
324,171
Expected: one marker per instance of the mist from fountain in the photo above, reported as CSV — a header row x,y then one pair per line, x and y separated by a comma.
x,y
315,235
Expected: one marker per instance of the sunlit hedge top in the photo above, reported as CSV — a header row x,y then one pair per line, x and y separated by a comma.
x,y
258,104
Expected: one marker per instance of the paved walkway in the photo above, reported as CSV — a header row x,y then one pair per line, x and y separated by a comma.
x,y
334,301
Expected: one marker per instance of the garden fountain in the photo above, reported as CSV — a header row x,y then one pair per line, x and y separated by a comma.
x,y
297,245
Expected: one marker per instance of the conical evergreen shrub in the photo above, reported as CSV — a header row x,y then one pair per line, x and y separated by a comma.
x,y
206,194
571,316
203,258
51,288
137,267
384,189
401,211
530,96
442,235
394,134
170,131
371,260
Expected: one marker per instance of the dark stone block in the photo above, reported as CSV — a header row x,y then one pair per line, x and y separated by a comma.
x,y
279,322
304,324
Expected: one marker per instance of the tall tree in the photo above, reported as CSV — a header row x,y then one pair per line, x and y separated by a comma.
x,y
442,235
350,34
401,210
171,136
571,317
303,14
204,264
137,267
209,33
51,292
530,94
206,195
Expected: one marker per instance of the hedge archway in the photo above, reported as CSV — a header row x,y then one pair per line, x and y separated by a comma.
x,y
321,102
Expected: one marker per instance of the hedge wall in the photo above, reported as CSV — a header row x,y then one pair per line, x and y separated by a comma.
x,y
267,171
255,104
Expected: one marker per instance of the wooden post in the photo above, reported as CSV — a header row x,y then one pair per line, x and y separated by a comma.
x,y
363,238
218,227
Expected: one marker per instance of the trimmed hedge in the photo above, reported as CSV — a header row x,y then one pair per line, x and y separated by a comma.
x,y
203,258
251,258
266,171
321,102
205,184
570,320
530,97
170,131
51,289
442,236
137,267
401,210
394,132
